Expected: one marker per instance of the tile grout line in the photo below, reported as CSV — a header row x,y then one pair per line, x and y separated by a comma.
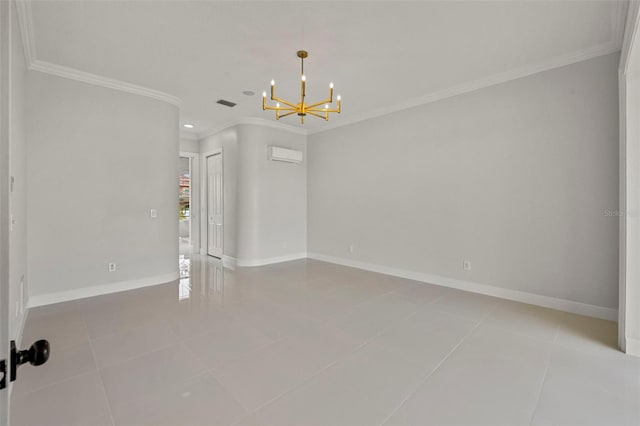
x,y
57,382
102,386
546,372
122,361
429,374
325,321
323,369
315,372
73,376
212,370
123,330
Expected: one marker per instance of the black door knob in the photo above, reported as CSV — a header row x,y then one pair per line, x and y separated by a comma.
x,y
36,355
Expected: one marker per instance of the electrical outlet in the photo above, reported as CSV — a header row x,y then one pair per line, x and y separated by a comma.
x,y
466,265
112,267
351,248
153,213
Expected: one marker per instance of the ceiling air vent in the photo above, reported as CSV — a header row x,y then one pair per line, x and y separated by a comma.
x,y
226,103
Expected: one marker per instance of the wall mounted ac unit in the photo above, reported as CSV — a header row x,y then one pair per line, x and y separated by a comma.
x,y
277,153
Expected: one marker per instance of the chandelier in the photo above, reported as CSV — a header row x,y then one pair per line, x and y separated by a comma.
x,y
284,108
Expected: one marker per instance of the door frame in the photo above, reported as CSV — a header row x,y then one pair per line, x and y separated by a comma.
x,y
194,224
204,198
5,124
629,146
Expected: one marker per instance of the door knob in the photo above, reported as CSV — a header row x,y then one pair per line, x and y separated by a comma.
x,y
36,355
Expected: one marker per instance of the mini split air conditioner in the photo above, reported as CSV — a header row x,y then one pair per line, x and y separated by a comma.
x,y
277,153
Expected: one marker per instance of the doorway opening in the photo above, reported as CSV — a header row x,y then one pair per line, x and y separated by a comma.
x,y
184,205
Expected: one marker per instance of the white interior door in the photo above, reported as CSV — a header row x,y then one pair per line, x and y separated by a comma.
x,y
214,205
5,31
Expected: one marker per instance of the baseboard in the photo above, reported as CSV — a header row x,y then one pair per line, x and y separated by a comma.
x,y
98,290
503,293
633,346
229,262
270,260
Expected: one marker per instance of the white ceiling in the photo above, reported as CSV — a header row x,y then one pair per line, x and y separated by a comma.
x,y
381,55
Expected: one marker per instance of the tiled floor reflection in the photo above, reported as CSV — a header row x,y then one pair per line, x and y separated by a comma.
x,y
311,343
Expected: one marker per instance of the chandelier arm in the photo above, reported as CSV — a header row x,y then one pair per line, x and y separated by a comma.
x,y
275,108
275,98
316,115
289,113
326,101
323,110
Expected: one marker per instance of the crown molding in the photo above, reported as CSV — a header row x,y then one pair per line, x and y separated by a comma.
x,y
492,80
620,35
98,80
630,33
25,20
618,16
255,121
274,125
217,129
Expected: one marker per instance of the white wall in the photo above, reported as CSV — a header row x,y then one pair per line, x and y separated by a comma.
x,y
99,160
265,201
187,145
515,178
18,170
272,197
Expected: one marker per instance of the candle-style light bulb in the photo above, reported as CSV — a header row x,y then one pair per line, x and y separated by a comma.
x,y
273,83
264,94
338,98
278,105
304,78
331,85
326,106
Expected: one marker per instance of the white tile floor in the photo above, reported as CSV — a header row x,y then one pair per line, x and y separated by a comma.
x,y
311,343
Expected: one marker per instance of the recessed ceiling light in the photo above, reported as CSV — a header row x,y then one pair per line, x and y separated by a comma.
x,y
249,92
189,126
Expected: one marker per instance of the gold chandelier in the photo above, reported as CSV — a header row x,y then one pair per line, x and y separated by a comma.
x,y
301,108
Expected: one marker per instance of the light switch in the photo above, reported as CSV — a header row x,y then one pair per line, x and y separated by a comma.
x,y
153,213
